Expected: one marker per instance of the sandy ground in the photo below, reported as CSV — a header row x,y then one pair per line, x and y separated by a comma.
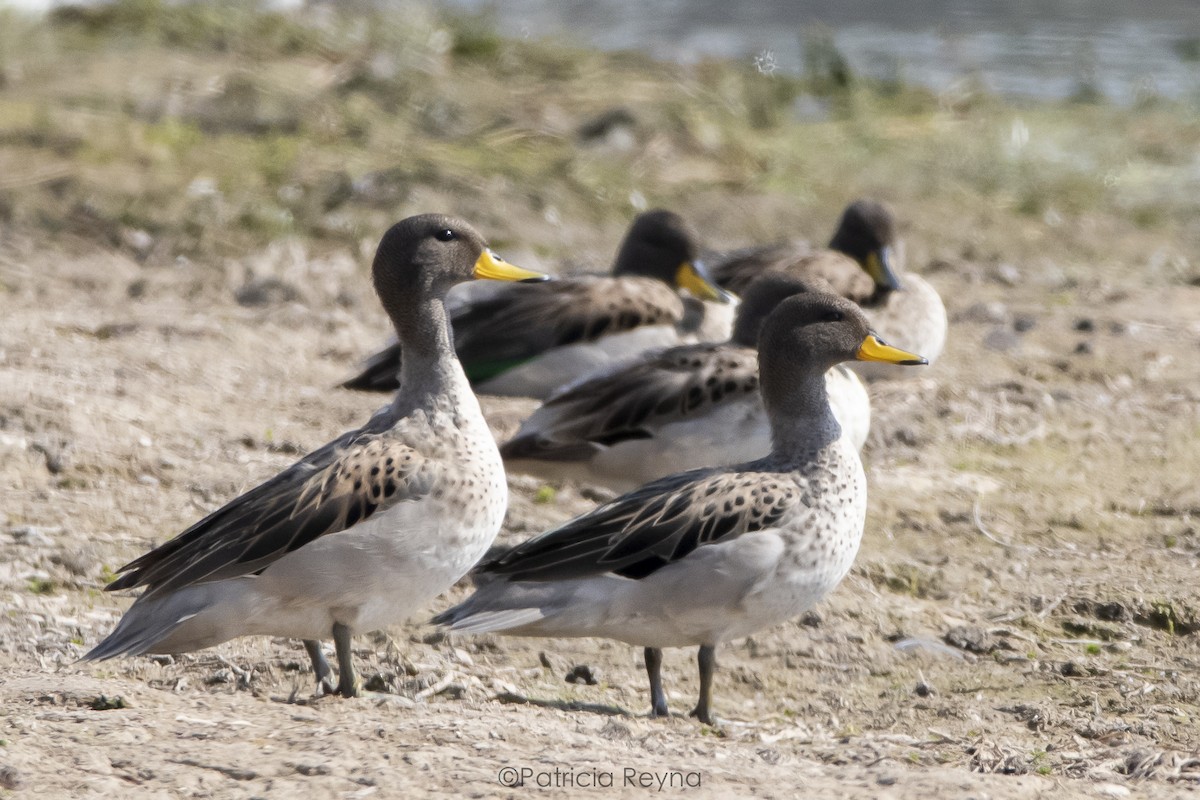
x,y
1021,621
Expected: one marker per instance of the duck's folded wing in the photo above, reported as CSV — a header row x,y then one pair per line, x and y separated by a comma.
x,y
635,400
651,527
511,327
327,492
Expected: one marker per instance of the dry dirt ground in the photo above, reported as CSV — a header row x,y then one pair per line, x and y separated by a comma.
x,y
1021,622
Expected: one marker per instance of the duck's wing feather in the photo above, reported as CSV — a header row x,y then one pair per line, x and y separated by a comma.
x,y
329,491
651,527
634,401
511,327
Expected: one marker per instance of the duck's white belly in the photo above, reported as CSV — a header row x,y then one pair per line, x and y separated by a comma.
x,y
377,574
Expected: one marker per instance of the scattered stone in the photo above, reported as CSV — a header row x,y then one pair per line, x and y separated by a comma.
x,y
1024,322
1112,790
1084,348
266,292
1001,340
582,673
382,682
924,689
310,770
544,660
1006,274
1070,669
811,619
56,456
32,534
137,240
106,703
615,731
10,778
1085,325
970,638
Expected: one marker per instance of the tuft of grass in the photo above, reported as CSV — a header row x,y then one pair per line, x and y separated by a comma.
x,y
42,586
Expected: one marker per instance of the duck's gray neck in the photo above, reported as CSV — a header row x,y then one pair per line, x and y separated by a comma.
x,y
798,409
430,374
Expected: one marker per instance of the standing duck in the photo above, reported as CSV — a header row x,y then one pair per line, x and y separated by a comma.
x,y
671,410
709,555
531,341
364,531
861,264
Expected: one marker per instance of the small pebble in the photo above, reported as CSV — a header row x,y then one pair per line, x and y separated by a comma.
x,y
10,778
1001,340
582,673
1024,322
1085,325
1007,274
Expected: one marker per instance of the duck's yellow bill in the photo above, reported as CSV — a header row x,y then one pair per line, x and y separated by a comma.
x,y
879,267
872,349
692,277
493,267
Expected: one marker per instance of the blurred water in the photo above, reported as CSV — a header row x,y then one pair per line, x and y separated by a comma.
x,y
1049,49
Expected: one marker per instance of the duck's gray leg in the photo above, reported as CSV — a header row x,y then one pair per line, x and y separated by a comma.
x,y
348,683
321,667
658,698
707,660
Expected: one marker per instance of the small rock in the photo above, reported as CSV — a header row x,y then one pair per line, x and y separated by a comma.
x,y
1007,274
1070,669
544,660
970,638
582,673
266,292
312,769
811,619
381,682
1001,340
10,778
137,240
886,780
1085,325
923,689
106,703
1024,322
1084,348
994,312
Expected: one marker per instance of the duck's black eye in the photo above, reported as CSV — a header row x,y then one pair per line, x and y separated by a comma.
x,y
444,235
833,316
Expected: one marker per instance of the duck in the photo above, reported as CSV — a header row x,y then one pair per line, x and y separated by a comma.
x,y
862,264
530,342
684,407
364,531
705,556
